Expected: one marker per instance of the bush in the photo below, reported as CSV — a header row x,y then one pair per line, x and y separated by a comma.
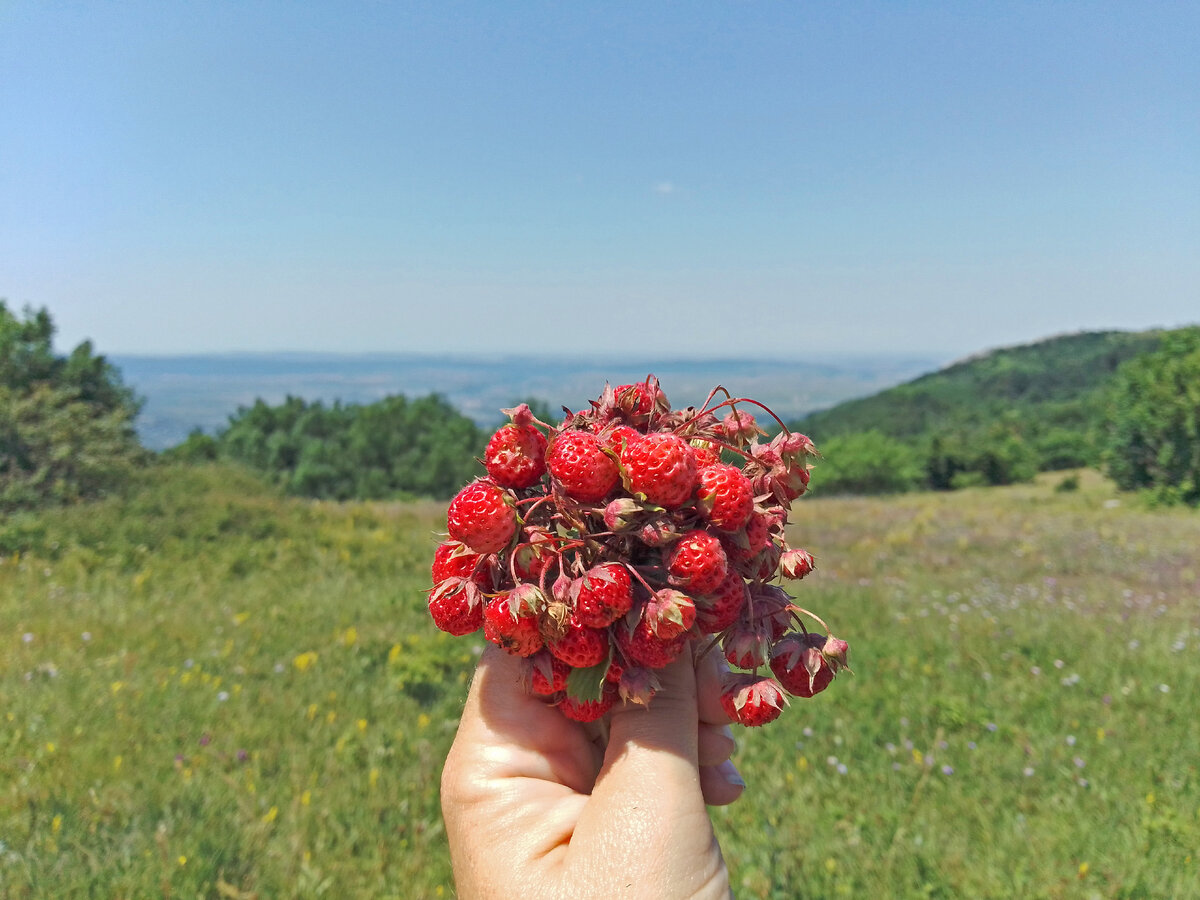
x,y
66,423
866,463
1154,421
390,449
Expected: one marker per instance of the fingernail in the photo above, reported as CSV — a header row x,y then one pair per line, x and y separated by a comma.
x,y
730,773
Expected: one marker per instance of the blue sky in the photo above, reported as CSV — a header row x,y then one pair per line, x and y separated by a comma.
x,y
717,178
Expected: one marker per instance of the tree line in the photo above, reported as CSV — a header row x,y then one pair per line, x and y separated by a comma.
x,y
1127,403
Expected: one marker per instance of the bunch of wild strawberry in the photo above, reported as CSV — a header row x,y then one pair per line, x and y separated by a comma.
x,y
597,549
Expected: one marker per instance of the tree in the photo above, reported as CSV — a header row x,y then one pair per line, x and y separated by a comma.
x,y
869,462
392,448
66,423
1153,439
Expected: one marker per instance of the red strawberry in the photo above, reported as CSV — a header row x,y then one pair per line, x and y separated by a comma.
x,y
762,567
603,595
696,562
454,560
717,611
661,466
669,613
643,647
513,629
636,399
751,700
725,497
516,456
588,710
747,645
456,605
799,664
548,674
581,646
585,472
533,557
706,454
482,517
617,437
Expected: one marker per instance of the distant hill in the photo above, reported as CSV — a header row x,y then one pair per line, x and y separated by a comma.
x,y
1048,394
187,392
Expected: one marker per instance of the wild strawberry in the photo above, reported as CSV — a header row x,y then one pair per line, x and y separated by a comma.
x,y
795,482
740,427
750,700
717,611
624,514
548,673
747,645
835,651
659,531
638,686
482,517
696,562
643,647
603,595
637,399
456,605
516,456
581,467
588,710
616,437
706,454
661,466
533,557
762,567
507,626
669,613
796,563
799,664
771,604
724,497
750,540
581,646
455,560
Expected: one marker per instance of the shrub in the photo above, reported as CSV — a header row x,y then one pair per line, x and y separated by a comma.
x,y
66,423
1154,421
866,463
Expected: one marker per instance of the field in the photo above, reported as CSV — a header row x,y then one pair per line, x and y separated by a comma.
x,y
210,691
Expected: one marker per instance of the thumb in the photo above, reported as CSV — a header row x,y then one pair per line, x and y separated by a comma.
x,y
647,795
669,724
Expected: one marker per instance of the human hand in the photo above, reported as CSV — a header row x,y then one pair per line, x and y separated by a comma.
x,y
538,806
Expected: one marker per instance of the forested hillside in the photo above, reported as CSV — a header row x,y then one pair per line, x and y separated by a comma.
x,y
994,419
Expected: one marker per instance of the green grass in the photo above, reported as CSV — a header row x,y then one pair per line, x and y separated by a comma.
x,y
210,691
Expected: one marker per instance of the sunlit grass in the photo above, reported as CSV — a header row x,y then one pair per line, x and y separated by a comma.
x,y
209,691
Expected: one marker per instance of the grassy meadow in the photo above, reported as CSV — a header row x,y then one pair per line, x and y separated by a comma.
x,y
209,691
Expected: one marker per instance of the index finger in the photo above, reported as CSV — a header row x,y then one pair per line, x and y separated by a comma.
x,y
709,671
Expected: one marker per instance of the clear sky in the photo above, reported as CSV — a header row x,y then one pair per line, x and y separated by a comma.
x,y
725,178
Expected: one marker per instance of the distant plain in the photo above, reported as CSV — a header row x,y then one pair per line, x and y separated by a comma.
x,y
182,393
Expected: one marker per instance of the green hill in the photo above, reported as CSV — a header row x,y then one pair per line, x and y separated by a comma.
x,y
993,418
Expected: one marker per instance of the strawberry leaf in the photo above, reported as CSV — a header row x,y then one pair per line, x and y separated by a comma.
x,y
588,684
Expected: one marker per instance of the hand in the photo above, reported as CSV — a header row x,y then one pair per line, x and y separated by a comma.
x,y
537,806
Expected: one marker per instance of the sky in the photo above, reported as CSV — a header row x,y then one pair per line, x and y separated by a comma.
x,y
725,179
